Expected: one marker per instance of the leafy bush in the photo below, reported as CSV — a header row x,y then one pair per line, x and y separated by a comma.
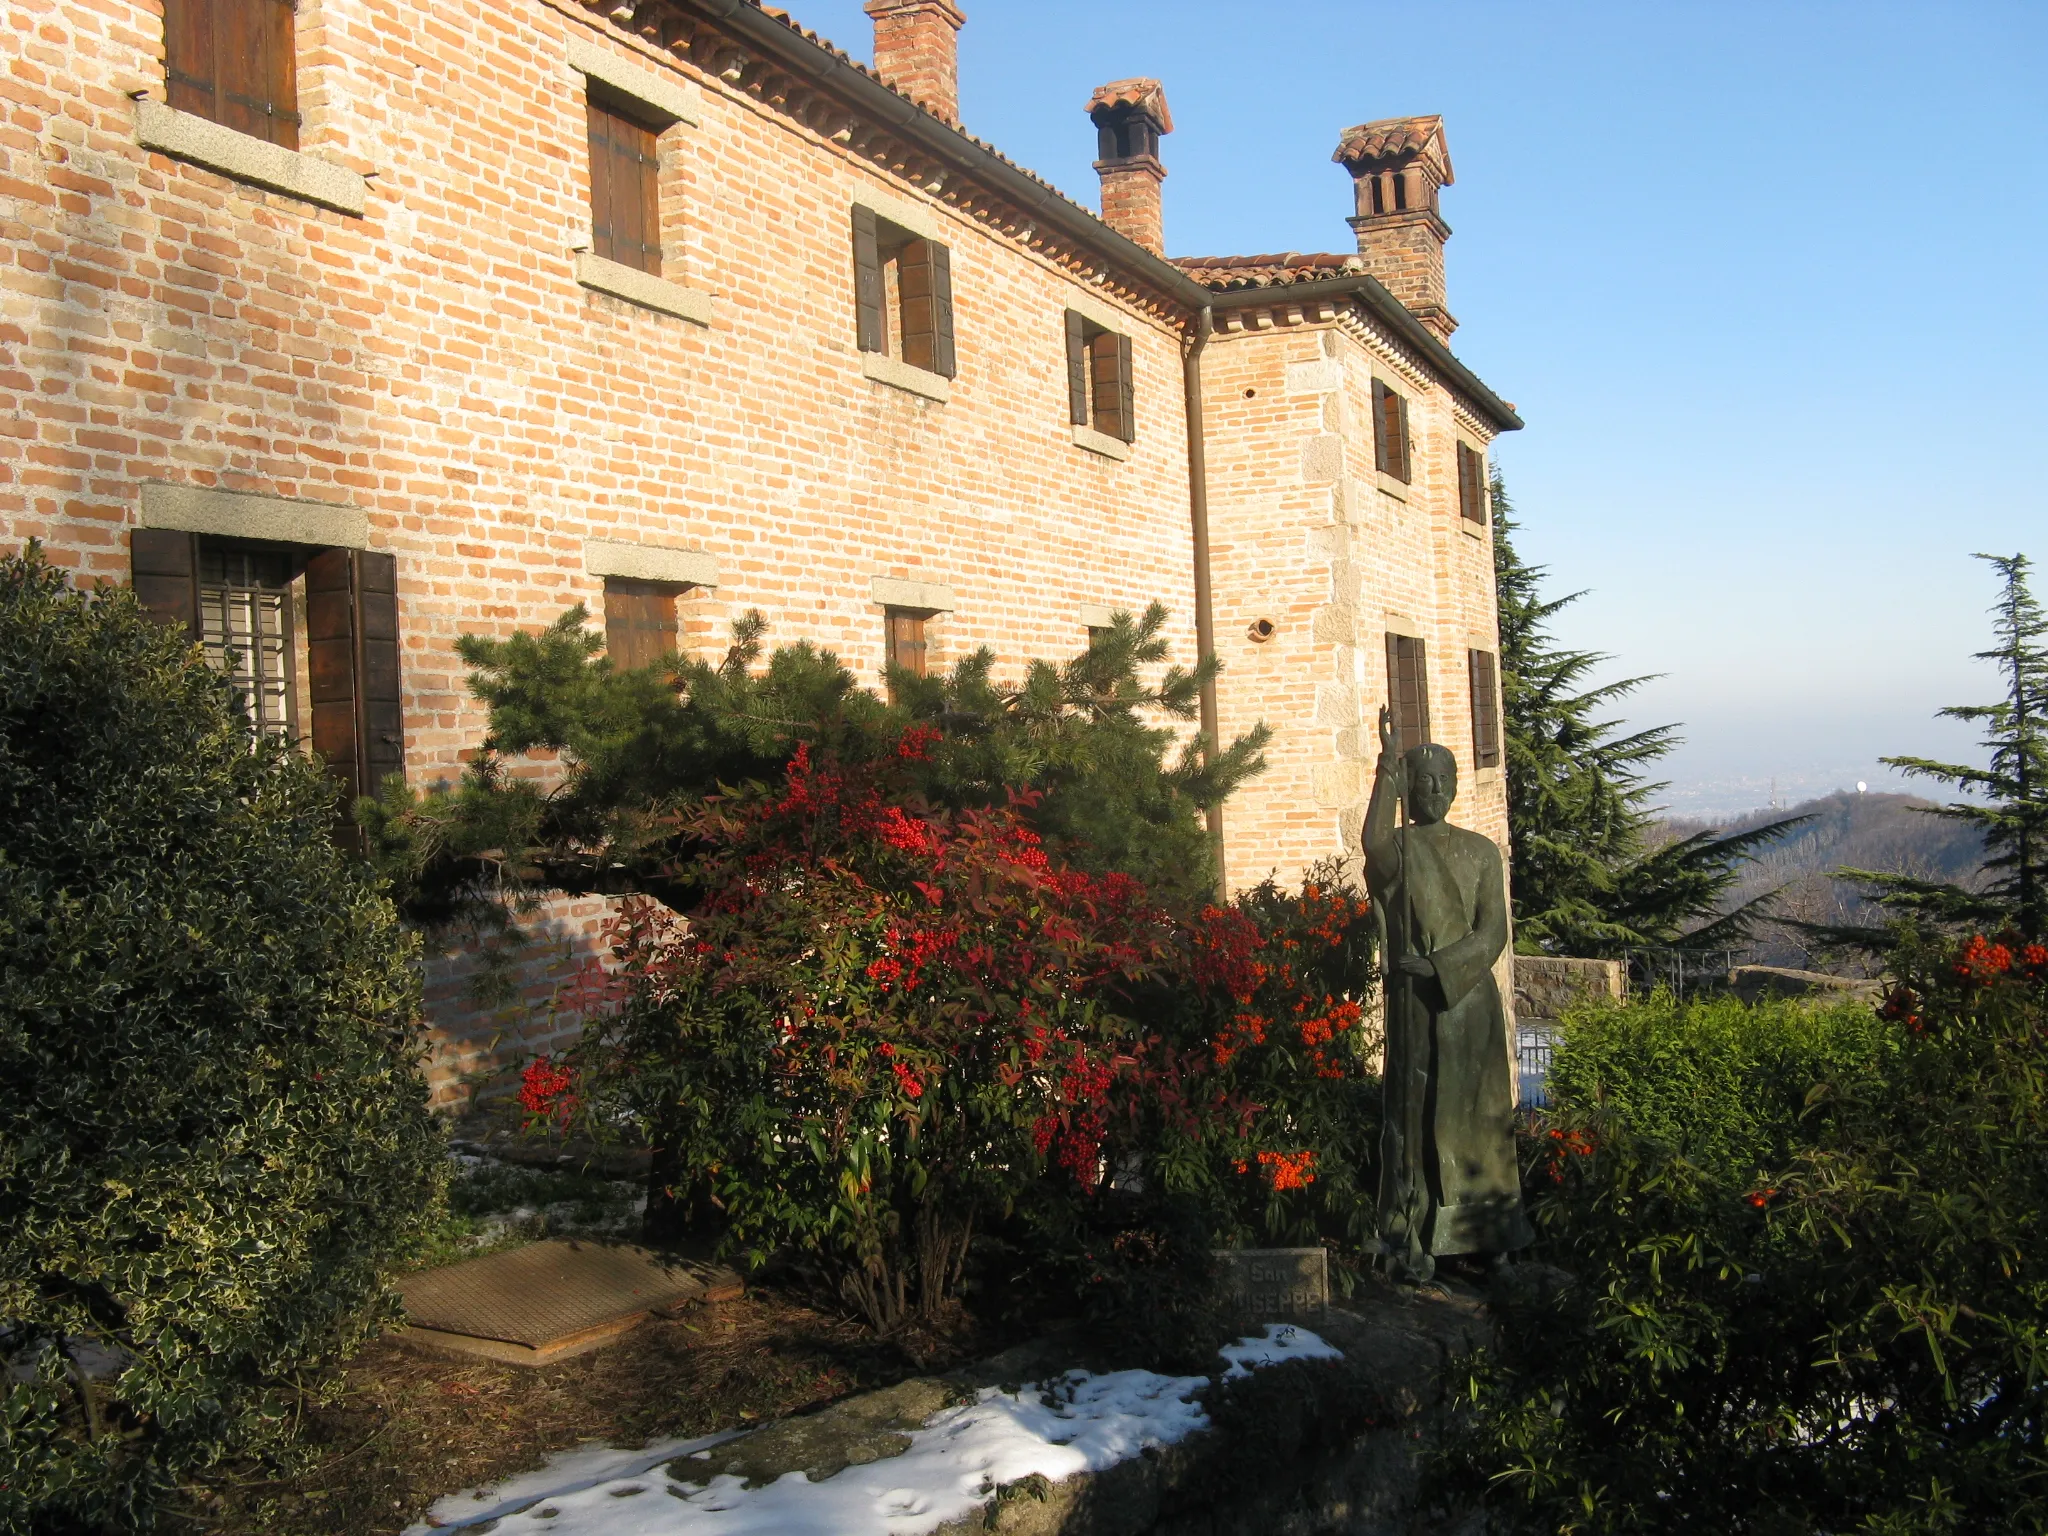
x,y
213,1135
1799,1285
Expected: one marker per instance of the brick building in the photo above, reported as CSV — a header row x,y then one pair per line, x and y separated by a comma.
x,y
347,327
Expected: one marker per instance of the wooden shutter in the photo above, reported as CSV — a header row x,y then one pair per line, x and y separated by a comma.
x,y
906,640
639,622
352,648
164,568
1408,689
944,358
1403,444
871,310
625,191
1471,485
1485,709
1126,390
1382,435
1077,369
233,61
915,286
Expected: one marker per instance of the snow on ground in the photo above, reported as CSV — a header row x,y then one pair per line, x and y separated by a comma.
x,y
1079,1422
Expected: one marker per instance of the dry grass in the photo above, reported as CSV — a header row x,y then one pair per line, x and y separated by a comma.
x,y
411,1426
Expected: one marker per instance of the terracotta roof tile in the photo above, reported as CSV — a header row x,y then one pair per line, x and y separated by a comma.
x,y
1274,271
1149,96
1395,136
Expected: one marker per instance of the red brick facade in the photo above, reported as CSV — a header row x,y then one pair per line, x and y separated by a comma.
x,y
413,349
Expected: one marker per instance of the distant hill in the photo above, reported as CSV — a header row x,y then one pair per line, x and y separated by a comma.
x,y
1890,833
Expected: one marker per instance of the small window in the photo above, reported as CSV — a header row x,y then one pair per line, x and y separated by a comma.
x,y
1099,385
903,294
1390,432
1408,689
639,622
232,61
625,196
905,638
1471,485
245,623
1485,708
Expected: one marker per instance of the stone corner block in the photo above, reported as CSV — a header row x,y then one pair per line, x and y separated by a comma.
x,y
642,288
1337,785
240,515
1322,458
922,382
669,98
1102,443
246,158
925,596
1317,378
649,562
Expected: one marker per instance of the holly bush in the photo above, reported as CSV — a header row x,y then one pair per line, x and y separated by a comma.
x,y
883,1023
213,1134
1792,1269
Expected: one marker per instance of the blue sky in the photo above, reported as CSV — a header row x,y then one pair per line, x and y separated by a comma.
x,y
1769,283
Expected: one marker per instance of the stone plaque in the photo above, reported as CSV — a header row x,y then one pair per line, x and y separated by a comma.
x,y
1267,1284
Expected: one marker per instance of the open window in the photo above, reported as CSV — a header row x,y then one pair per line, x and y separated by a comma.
x,y
1099,379
1391,444
903,294
242,601
1408,689
232,62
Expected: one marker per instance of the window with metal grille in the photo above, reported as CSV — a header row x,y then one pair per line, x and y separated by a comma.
x,y
1100,391
1391,445
1471,485
1408,689
232,61
905,632
1484,672
245,623
625,197
639,621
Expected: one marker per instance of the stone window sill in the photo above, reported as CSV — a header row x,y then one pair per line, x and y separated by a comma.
x,y
246,158
642,288
1102,443
1400,490
905,376
1481,777
1472,530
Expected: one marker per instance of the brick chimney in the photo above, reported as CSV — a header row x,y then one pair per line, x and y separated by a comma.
x,y
917,50
1397,166
1129,116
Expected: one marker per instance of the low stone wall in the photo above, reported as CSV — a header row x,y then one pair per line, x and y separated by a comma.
x,y
1546,985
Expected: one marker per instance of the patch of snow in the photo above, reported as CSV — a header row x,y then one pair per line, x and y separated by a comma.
x,y
1079,1422
1283,1341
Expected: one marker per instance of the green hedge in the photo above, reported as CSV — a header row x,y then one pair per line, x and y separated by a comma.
x,y
213,1133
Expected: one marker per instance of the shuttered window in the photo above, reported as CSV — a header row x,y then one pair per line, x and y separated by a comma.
x,y
903,287
905,630
232,61
1408,689
1100,389
639,622
625,198
1391,449
1485,708
1471,485
245,623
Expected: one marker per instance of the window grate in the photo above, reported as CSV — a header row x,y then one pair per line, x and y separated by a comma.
x,y
245,623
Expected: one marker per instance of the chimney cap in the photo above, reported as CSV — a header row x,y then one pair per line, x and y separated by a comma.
x,y
1390,136
1147,96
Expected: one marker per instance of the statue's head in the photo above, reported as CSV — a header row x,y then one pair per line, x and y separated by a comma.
x,y
1432,782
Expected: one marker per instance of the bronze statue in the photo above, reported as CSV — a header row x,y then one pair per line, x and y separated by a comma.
x,y
1448,1182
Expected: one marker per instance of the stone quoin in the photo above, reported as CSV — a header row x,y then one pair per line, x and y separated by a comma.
x,y
406,323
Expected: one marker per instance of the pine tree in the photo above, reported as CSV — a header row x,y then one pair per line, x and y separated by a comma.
x,y
1585,877
2012,811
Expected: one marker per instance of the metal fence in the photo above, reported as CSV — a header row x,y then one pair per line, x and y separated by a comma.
x,y
1532,1061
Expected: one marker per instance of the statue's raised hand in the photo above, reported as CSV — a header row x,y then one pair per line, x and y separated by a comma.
x,y
1390,735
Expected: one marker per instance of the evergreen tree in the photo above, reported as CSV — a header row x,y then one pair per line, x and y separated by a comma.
x,y
1585,877
1115,787
2013,811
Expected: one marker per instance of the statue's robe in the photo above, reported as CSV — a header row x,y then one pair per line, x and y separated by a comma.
x,y
1440,892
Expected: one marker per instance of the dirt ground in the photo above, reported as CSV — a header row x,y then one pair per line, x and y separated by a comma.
x,y
413,1425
